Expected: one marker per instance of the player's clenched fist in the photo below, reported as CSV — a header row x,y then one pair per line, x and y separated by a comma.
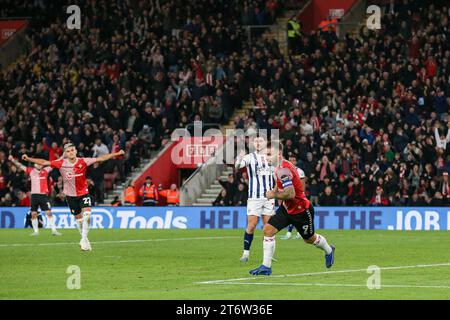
x,y
270,194
25,157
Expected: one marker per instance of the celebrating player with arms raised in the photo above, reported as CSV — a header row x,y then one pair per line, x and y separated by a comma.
x,y
296,209
73,172
39,198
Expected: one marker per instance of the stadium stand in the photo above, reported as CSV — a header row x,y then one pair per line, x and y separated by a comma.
x,y
132,74
366,115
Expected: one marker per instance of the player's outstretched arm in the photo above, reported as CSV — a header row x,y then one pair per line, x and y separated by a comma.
x,y
17,163
42,162
106,157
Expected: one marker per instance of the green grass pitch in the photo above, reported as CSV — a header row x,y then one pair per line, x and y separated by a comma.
x,y
171,264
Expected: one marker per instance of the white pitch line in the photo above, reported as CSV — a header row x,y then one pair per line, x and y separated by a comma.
x,y
114,241
325,272
333,285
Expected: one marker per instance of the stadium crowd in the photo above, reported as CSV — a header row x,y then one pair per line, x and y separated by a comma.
x,y
367,117
135,71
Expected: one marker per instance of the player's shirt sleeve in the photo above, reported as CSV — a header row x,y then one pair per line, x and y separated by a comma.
x,y
56,164
90,161
285,176
28,170
48,169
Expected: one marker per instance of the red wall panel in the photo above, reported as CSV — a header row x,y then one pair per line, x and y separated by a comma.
x,y
9,27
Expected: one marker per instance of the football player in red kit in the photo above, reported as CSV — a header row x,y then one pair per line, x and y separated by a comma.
x,y
295,209
73,171
39,194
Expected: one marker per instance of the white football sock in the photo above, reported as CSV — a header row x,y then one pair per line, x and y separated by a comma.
x,y
35,224
79,223
288,234
51,223
322,244
269,249
85,225
246,253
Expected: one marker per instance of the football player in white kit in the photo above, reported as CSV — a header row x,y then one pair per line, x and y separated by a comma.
x,y
260,175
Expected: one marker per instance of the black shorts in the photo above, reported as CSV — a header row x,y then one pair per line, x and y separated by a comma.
x,y
303,222
40,201
78,203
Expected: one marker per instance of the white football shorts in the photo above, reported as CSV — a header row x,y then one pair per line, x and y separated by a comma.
x,y
258,207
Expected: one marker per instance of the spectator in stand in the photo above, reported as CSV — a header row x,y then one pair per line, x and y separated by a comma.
x,y
99,149
312,190
416,200
130,194
341,189
145,139
54,152
3,187
327,198
230,186
240,196
24,199
379,199
444,187
222,199
172,195
149,193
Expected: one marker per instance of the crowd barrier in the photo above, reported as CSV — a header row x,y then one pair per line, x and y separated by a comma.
x,y
362,218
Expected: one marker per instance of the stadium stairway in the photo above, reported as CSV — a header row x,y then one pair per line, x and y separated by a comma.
x,y
119,188
210,194
282,25
282,42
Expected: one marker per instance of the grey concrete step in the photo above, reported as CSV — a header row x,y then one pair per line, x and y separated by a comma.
x,y
211,191
209,196
206,200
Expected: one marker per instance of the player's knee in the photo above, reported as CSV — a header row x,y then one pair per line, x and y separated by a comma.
x,y
311,239
269,230
251,228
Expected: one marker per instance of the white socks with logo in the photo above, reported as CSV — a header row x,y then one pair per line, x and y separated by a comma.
x,y
269,249
322,244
